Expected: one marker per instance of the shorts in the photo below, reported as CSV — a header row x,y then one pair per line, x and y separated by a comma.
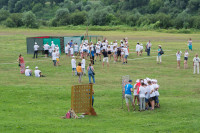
x,y
128,97
97,54
105,59
73,69
85,50
66,53
185,58
75,51
109,52
146,100
46,51
57,59
115,53
126,56
152,98
156,99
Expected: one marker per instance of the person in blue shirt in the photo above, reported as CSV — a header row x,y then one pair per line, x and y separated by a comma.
x,y
128,89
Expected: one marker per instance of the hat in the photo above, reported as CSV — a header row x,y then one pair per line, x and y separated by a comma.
x,y
35,42
36,67
27,67
137,80
141,44
145,82
111,43
72,56
130,81
159,45
153,80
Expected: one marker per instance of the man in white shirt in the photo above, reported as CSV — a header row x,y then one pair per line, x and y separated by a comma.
x,y
46,49
98,51
126,55
73,62
196,62
35,47
28,71
37,72
52,45
148,46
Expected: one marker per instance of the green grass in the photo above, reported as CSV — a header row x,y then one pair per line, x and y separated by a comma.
x,y
29,104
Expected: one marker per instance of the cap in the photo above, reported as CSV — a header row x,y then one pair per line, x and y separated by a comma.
x,y
72,56
36,67
35,42
27,67
137,80
130,81
159,45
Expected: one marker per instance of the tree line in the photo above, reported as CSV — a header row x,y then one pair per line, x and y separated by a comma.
x,y
152,13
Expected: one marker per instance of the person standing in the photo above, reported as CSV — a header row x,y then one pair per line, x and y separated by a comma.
x,y
128,89
91,73
21,64
178,55
46,49
196,62
105,59
79,72
66,49
52,45
141,49
138,48
126,54
76,49
142,92
73,62
148,47
159,59
54,57
83,65
35,47
98,52
186,59
28,72
190,44
152,95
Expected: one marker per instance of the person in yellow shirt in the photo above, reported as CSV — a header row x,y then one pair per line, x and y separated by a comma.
x,y
79,72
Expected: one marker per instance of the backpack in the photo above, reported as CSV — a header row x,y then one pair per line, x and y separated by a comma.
x,y
161,52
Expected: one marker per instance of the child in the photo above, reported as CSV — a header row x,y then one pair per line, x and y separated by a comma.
x,y
136,96
178,55
142,92
83,65
147,94
73,62
138,48
72,51
185,59
152,95
156,86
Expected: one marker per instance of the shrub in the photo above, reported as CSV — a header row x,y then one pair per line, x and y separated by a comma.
x,y
29,20
4,14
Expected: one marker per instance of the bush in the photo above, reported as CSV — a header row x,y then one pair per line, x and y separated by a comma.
x,y
78,18
10,23
4,14
29,20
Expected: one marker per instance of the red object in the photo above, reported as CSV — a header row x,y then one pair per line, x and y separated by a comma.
x,y
138,85
68,115
42,37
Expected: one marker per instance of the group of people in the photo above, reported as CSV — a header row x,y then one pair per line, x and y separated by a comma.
x,y
27,71
145,91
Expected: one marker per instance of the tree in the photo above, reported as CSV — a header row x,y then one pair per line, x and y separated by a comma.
x,y
154,5
78,18
62,16
194,5
29,20
4,14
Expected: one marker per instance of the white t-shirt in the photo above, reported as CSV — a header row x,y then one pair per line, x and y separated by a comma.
x,y
196,60
122,45
141,47
135,90
76,48
147,96
142,91
137,47
115,44
126,51
73,62
178,56
54,56
57,48
71,50
122,51
152,89
156,91
84,47
57,54
92,47
27,72
186,54
149,45
98,49
36,47
53,46
46,47
37,73
81,49
83,63
67,49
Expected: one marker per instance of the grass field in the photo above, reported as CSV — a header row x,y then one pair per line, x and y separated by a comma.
x,y
29,104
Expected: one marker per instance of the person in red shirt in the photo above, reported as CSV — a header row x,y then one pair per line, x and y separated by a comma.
x,y
21,64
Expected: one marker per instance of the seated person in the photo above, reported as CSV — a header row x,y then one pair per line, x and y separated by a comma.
x,y
28,72
38,73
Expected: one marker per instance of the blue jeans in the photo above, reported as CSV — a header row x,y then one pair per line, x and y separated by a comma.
x,y
148,52
91,75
